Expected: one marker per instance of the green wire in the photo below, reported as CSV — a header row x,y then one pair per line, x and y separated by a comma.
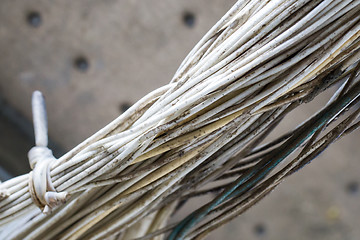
x,y
239,187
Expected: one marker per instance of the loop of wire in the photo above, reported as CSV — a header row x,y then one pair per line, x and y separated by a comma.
x,y
41,188
260,62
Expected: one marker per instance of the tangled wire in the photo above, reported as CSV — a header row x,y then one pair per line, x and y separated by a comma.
x,y
261,61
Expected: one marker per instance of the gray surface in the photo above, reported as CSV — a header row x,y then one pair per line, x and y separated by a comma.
x,y
15,140
134,47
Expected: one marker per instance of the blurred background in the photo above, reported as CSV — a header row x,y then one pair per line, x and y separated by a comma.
x,y
94,59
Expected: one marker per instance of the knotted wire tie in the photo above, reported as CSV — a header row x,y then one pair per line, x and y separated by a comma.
x,y
41,188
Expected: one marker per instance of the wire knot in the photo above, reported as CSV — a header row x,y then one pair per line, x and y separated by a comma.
x,y
37,154
41,188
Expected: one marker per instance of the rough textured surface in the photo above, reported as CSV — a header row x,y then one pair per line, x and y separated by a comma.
x,y
132,47
128,48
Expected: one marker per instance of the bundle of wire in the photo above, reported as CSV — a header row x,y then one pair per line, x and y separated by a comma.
x,y
262,60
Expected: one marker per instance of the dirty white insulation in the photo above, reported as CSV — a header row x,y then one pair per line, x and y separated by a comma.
x,y
259,62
